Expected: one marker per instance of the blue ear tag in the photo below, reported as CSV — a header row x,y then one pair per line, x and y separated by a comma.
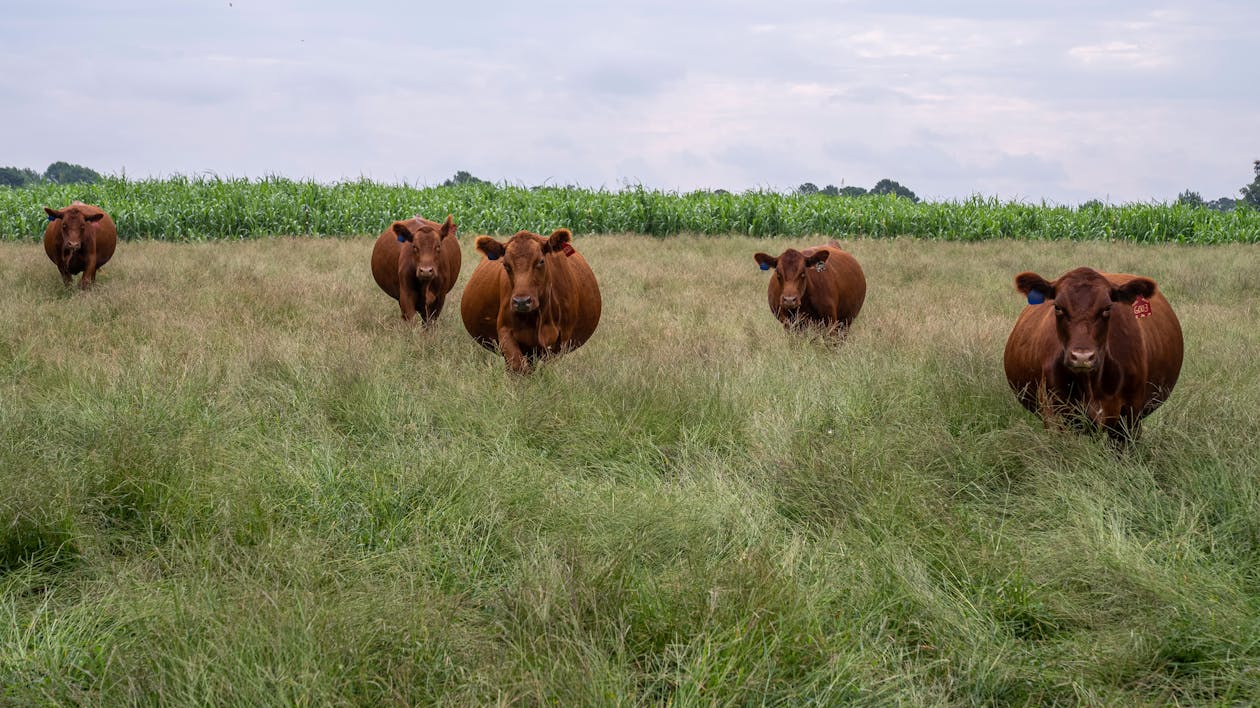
x,y
1035,297
401,239
492,256
51,217
764,266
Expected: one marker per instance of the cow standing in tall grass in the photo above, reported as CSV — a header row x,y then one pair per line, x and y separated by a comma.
x,y
416,262
1100,348
79,239
531,296
820,286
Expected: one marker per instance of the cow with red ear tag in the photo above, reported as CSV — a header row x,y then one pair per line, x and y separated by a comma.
x,y
79,239
416,262
821,286
531,296
1103,349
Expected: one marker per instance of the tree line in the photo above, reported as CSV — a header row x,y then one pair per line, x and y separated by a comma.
x,y
1250,195
57,173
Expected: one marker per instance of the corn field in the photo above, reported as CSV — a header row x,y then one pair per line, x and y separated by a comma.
x,y
199,209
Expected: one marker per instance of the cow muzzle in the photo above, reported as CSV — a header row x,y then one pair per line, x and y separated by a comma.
x,y
790,302
1081,360
524,303
425,273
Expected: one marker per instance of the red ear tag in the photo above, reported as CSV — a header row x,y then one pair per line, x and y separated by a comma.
x,y
1141,307
568,250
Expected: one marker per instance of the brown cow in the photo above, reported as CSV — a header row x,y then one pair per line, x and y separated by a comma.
x,y
79,239
1105,346
821,285
416,262
532,296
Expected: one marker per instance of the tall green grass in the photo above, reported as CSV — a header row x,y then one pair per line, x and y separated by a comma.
x,y
183,209
230,475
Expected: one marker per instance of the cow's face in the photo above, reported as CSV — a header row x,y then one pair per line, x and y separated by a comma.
x,y
525,258
789,272
1083,303
422,245
74,229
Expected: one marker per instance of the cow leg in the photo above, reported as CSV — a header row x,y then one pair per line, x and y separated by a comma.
x,y
65,276
548,337
1123,430
89,272
1047,408
407,303
512,353
433,308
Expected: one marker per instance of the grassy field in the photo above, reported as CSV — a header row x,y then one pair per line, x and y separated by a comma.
x,y
183,209
231,475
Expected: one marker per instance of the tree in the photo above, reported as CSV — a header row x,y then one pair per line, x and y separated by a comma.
x,y
1222,204
1091,204
888,186
463,177
830,190
852,191
1251,193
18,176
1190,198
807,189
66,173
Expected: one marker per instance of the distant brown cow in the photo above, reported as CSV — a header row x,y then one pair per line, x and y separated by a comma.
x,y
1103,346
79,239
532,296
821,285
416,262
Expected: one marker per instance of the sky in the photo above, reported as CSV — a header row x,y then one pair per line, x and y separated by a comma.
x,y
1059,101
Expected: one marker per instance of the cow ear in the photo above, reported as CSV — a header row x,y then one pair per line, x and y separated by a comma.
x,y
1030,283
52,213
1130,291
556,240
402,232
765,260
93,218
448,227
491,248
818,257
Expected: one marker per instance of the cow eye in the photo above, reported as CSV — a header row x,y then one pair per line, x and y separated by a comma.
x,y
801,276
1106,311
1058,312
539,264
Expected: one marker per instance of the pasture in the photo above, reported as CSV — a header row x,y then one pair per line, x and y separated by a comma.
x,y
231,475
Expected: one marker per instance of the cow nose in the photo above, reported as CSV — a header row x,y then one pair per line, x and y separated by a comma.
x,y
1079,358
791,300
424,272
521,304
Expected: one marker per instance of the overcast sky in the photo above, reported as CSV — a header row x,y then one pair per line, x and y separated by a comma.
x,y
1065,100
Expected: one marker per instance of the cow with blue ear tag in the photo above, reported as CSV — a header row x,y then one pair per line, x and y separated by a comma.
x,y
531,298
416,262
1093,350
820,286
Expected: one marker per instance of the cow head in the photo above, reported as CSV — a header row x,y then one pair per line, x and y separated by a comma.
x,y
75,226
422,245
1083,300
789,273
525,261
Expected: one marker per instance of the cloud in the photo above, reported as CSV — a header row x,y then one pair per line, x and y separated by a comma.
x,y
1119,54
